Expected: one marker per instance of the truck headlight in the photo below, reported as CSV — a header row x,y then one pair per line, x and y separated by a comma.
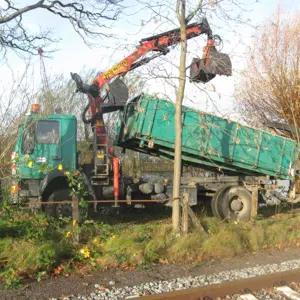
x,y
14,189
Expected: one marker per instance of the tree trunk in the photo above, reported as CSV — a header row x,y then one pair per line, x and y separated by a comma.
x,y
178,118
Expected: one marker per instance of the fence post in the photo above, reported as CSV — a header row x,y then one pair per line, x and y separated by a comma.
x,y
185,214
75,213
195,220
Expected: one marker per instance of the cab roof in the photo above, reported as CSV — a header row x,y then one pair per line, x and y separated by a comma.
x,y
51,117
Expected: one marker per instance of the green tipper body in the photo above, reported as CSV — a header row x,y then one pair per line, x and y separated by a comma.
x,y
208,141
46,153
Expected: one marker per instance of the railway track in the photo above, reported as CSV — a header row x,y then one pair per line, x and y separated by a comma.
x,y
246,289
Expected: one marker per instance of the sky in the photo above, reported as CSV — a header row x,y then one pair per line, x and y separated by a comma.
x,y
73,55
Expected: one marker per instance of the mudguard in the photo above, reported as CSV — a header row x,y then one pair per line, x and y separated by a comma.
x,y
49,177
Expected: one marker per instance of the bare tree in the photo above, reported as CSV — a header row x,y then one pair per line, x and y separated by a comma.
x,y
14,102
183,20
87,17
269,87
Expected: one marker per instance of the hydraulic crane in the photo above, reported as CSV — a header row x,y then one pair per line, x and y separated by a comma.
x,y
202,70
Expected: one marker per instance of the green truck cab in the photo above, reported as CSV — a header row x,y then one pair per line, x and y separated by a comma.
x,y
45,147
46,150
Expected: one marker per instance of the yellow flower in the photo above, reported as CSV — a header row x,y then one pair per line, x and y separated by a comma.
x,y
74,223
30,164
96,240
85,252
113,236
68,234
60,167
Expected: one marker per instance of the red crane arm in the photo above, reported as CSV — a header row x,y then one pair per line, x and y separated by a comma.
x,y
155,43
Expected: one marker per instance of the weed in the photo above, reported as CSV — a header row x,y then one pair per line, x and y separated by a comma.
x,y
35,246
12,278
41,275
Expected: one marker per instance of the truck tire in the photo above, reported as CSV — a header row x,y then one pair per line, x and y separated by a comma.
x,y
59,210
236,204
63,210
218,197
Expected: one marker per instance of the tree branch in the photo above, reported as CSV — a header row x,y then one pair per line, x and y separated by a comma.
x,y
86,18
19,11
194,12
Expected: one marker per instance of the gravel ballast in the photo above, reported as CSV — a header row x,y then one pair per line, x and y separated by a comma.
x,y
157,287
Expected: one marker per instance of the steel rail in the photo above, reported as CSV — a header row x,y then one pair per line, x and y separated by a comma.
x,y
229,288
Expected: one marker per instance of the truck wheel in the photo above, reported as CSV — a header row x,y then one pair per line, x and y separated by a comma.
x,y
236,204
63,210
59,210
218,197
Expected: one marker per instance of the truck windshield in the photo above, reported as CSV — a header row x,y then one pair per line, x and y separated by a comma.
x,y
47,132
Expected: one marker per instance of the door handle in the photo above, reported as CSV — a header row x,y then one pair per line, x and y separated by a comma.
x,y
55,158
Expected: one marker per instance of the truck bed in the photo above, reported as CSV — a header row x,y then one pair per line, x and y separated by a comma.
x,y
208,142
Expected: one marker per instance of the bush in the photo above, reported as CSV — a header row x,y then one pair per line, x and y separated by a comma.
x,y
35,246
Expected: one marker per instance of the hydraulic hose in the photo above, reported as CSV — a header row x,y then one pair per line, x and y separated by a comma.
x,y
83,115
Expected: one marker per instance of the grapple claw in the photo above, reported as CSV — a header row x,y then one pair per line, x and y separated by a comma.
x,y
205,69
118,95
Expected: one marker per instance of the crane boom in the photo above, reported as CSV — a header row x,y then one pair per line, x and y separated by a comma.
x,y
159,42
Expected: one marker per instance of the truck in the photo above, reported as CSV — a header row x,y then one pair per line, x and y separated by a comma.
x,y
46,147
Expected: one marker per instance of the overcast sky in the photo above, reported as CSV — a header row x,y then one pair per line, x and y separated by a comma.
x,y
73,54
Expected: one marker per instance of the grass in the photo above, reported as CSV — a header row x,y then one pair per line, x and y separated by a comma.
x,y
35,246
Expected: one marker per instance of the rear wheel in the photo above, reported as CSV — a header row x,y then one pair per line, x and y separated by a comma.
x,y
236,204
218,196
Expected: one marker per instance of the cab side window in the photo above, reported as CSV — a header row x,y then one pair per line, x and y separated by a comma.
x,y
28,143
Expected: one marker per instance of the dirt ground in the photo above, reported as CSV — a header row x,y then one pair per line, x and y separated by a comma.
x,y
73,285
